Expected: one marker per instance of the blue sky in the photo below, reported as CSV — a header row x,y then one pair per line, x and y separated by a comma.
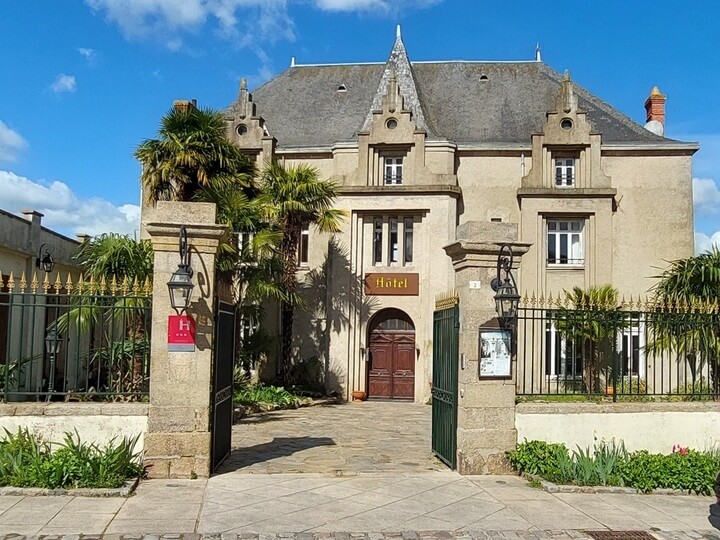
x,y
82,83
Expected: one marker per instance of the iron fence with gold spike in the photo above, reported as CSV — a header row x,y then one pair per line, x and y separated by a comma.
x,y
65,340
638,349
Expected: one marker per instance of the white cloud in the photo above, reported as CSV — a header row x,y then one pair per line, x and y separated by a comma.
x,y
64,83
64,211
89,54
703,242
386,6
244,22
168,19
11,143
706,196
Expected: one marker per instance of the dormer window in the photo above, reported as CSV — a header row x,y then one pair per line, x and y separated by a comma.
x,y
393,171
564,172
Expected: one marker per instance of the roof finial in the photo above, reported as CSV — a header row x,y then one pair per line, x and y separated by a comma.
x,y
538,55
567,95
398,34
243,84
292,61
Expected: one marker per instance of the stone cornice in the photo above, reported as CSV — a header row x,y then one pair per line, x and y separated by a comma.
x,y
394,191
203,238
466,254
567,193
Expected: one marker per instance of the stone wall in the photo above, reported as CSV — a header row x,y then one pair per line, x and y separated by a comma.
x,y
655,427
94,422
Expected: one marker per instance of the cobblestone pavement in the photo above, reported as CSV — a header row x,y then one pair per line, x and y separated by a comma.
x,y
352,438
400,535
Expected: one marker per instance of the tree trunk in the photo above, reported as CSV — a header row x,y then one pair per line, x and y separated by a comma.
x,y
288,250
286,324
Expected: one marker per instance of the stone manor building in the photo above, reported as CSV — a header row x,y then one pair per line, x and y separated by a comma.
x,y
426,154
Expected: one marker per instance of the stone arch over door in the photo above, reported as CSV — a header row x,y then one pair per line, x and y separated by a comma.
x,y
391,360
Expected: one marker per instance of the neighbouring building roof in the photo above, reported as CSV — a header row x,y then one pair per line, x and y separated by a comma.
x,y
464,102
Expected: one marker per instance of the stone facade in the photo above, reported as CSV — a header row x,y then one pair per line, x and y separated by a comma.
x,y
480,147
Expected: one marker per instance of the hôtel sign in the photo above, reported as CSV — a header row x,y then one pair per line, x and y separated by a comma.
x,y
392,284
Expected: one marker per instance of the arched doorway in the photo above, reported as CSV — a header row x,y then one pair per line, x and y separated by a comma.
x,y
391,361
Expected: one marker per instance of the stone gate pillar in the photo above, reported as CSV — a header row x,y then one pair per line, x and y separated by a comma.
x,y
177,444
486,408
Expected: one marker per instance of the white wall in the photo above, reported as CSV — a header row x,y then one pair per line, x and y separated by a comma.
x,y
655,427
97,422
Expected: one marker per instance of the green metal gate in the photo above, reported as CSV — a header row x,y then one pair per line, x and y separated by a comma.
x,y
446,326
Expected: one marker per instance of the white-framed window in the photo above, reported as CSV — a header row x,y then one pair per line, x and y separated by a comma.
x,y
564,172
392,240
408,223
377,241
245,240
393,174
565,242
245,248
303,245
631,342
563,353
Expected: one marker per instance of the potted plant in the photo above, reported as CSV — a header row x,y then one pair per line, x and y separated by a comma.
x,y
359,395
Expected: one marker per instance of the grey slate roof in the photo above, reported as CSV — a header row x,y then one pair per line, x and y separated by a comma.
x,y
302,106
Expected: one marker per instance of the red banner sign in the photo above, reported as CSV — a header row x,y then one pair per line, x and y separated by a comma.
x,y
181,333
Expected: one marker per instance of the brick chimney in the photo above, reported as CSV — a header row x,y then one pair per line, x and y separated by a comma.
x,y
655,106
183,105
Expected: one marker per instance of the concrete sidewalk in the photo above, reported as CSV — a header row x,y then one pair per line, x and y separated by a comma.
x,y
312,503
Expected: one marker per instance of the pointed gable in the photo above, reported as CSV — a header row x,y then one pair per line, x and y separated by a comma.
x,y
399,70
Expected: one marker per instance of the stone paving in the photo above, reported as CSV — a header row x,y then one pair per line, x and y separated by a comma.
x,y
378,483
309,504
352,438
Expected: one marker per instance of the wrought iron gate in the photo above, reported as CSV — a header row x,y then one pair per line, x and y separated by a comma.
x,y
222,388
445,380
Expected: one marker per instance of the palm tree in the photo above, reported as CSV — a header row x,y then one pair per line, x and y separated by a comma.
x,y
192,151
116,256
690,291
108,315
593,320
297,198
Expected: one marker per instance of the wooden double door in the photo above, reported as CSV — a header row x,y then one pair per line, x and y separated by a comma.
x,y
391,369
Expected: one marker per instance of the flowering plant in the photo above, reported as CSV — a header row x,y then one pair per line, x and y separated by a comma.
x,y
682,450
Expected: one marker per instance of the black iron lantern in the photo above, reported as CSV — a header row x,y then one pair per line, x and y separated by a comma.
x,y
180,285
53,342
507,298
44,259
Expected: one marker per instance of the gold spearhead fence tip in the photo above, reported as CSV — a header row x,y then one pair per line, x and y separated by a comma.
x,y
34,284
69,283
58,284
113,286
23,282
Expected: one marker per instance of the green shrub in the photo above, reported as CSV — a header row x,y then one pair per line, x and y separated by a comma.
x,y
542,459
27,461
609,464
700,390
260,393
689,471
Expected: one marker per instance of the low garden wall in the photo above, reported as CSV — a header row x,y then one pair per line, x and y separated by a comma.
x,y
94,422
655,427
